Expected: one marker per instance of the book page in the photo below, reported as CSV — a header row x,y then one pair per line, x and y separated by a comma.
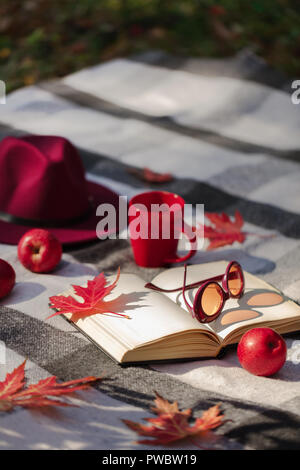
x,y
152,315
260,303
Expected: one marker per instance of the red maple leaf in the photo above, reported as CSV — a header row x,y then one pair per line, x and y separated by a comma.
x,y
173,425
14,393
92,296
223,230
145,174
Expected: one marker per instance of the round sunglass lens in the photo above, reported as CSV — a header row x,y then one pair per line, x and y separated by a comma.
x,y
212,299
235,280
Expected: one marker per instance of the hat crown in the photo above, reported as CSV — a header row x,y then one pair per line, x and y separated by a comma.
x,y
42,179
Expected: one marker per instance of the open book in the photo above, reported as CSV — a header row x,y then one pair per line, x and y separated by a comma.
x,y
161,328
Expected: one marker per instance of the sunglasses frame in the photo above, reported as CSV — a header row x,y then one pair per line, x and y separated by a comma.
x,y
196,309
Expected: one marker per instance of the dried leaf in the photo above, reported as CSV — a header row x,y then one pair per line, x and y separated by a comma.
x,y
50,386
92,296
223,230
13,392
164,406
29,80
210,419
4,53
173,425
145,174
13,382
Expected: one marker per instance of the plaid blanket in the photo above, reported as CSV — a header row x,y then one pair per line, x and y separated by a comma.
x,y
229,133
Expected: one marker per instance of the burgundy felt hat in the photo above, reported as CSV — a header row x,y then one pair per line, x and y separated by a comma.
x,y
42,184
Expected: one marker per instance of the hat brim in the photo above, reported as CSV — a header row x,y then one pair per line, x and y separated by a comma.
x,y
11,233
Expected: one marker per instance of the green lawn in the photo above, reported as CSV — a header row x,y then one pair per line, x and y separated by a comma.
x,y
48,38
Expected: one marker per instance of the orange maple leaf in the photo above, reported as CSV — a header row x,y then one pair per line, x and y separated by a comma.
x,y
145,174
92,296
223,230
163,406
13,392
173,425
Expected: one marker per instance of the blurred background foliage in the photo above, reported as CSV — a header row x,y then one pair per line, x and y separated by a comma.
x,y
49,38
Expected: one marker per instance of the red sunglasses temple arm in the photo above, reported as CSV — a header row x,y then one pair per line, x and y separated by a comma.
x,y
149,285
190,308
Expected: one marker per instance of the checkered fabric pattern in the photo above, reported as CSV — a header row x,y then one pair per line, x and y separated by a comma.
x,y
228,132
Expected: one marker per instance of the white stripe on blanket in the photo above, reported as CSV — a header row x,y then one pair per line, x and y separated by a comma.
x,y
283,193
94,424
235,108
226,376
127,140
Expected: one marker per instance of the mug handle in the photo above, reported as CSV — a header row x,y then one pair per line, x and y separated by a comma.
x,y
188,232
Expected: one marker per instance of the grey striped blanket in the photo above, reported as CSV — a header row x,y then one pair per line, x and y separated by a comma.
x,y
228,132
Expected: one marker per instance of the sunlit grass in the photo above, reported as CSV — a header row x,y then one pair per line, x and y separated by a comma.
x,y
50,38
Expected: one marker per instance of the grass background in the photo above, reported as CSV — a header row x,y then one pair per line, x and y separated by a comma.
x,y
42,39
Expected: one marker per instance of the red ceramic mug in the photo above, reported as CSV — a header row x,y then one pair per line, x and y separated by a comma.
x,y
156,221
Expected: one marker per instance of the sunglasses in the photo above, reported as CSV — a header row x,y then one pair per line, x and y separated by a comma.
x,y
211,296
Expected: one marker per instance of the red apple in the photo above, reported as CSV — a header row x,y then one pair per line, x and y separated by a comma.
x,y
262,351
39,251
7,278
